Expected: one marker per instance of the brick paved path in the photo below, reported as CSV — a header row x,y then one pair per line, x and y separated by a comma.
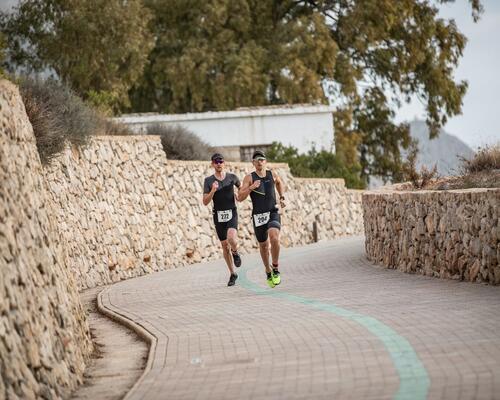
x,y
336,328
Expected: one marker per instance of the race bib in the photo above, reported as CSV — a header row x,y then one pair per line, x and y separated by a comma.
x,y
225,215
261,219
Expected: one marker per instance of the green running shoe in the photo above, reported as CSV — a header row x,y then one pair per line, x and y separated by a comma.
x,y
275,275
270,280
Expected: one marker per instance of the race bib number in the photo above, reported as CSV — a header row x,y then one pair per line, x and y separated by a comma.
x,y
261,219
225,215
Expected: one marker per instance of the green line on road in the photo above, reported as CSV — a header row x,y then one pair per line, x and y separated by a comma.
x,y
413,379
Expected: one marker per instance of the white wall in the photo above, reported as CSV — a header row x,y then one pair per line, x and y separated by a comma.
x,y
299,126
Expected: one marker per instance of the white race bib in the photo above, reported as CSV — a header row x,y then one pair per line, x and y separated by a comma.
x,y
224,215
261,219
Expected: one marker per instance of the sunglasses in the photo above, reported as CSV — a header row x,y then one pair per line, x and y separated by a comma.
x,y
218,161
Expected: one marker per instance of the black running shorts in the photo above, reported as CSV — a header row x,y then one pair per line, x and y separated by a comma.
x,y
222,227
261,227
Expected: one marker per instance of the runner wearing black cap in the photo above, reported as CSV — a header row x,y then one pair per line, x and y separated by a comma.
x,y
261,185
219,187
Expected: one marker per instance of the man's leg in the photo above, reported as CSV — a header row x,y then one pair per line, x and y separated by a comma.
x,y
232,234
263,239
226,250
231,238
227,255
274,238
264,254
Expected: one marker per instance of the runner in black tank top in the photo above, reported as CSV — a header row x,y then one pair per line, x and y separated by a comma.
x,y
219,188
261,185
263,197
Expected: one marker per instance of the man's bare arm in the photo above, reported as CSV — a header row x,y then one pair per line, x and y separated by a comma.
x,y
237,193
280,188
246,187
207,197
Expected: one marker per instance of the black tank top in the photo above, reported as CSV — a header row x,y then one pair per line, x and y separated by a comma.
x,y
263,198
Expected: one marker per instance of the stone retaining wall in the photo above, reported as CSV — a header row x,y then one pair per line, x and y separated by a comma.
x,y
44,337
111,211
126,211
448,234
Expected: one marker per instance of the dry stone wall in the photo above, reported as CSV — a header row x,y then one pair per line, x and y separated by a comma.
x,y
44,337
126,211
448,234
113,210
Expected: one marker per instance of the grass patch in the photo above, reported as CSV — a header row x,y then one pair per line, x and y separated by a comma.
x,y
482,170
485,160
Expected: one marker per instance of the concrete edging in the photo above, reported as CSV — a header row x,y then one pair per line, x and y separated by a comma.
x,y
145,334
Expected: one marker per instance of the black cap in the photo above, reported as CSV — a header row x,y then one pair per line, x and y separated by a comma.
x,y
258,154
217,156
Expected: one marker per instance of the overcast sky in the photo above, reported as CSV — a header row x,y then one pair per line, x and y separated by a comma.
x,y
479,123
480,66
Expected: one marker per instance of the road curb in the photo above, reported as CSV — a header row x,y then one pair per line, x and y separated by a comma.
x,y
105,307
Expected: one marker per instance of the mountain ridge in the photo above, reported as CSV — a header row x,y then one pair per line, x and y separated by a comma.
x,y
445,150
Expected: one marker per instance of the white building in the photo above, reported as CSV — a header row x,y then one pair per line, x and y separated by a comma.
x,y
238,133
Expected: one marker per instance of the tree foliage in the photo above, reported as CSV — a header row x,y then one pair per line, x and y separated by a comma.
x,y
218,55
315,164
97,46
369,55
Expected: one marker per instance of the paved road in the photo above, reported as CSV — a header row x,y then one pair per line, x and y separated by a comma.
x,y
336,328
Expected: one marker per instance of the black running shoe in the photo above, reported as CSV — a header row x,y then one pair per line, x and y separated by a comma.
x,y
232,279
236,259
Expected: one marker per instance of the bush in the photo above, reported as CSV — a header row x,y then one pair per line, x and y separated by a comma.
x,y
113,128
481,171
57,115
419,179
315,164
180,143
3,45
422,179
486,159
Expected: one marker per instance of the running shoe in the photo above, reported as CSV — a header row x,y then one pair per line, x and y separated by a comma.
x,y
232,279
275,275
236,259
270,280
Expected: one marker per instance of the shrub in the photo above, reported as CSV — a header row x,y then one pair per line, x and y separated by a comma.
x,y
486,159
419,179
113,128
2,54
315,164
179,143
422,179
57,115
